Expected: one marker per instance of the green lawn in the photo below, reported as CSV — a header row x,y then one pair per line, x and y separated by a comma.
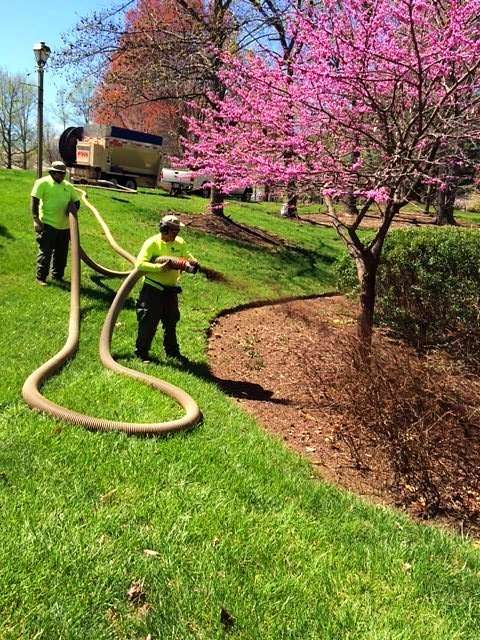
x,y
235,520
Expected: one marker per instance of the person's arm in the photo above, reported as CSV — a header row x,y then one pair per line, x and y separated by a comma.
x,y
74,204
191,263
143,261
73,207
35,207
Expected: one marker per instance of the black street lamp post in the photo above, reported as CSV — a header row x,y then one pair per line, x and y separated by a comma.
x,y
41,51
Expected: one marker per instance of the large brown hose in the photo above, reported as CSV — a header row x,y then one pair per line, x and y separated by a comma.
x,y
30,390
111,240
104,271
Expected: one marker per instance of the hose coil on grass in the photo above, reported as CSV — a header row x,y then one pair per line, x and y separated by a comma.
x,y
31,388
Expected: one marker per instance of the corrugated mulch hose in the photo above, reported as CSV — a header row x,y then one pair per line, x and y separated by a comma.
x,y
31,388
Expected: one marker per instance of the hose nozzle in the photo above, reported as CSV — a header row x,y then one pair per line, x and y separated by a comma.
x,y
182,264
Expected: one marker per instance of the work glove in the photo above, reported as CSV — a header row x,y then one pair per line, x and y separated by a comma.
x,y
37,225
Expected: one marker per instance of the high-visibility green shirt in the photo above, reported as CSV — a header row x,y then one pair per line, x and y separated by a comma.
x,y
156,274
54,199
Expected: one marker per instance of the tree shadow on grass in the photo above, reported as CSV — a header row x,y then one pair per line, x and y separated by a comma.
x,y
103,294
5,233
164,194
315,223
307,261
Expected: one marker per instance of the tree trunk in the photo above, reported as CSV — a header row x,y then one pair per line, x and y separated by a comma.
x,y
9,152
292,200
367,276
289,207
445,204
351,204
446,196
428,200
216,202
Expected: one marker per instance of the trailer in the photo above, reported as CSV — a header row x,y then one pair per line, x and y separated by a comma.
x,y
105,152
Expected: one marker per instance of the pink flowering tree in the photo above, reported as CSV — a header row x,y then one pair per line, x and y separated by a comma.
x,y
378,97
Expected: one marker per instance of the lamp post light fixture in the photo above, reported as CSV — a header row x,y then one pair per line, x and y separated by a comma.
x,y
41,51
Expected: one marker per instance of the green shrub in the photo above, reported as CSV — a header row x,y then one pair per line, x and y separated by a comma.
x,y
346,275
428,286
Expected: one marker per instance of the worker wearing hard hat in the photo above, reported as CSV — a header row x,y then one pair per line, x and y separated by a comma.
x,y
52,199
158,300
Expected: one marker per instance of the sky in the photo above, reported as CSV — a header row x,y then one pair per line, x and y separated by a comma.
x,y
25,22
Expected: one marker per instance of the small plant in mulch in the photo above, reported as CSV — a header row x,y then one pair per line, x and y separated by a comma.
x,y
415,419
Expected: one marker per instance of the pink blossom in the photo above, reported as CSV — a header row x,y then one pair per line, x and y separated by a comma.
x,y
375,98
377,195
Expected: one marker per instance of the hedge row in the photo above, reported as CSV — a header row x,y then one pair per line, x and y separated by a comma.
x,y
428,287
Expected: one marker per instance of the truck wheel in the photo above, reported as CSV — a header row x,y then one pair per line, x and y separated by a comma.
x,y
131,183
206,190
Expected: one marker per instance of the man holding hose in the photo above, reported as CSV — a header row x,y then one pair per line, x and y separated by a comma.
x,y
158,300
52,199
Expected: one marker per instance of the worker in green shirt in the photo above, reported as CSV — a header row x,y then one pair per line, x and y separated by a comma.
x,y
52,199
158,300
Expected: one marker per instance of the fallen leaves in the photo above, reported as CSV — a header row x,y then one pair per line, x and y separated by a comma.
x,y
108,496
136,594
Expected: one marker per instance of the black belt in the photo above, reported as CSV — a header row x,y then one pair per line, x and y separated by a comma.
x,y
162,288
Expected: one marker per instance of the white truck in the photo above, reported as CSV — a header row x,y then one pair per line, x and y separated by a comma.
x,y
178,181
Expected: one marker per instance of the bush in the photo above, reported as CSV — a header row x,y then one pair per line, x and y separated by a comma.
x,y
428,287
346,276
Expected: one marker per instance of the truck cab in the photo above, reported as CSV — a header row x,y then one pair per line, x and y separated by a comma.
x,y
179,181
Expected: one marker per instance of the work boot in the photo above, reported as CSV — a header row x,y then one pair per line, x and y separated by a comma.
x,y
42,283
176,355
144,357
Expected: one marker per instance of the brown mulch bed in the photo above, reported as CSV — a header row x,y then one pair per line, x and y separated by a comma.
x,y
225,227
263,350
286,364
277,360
373,220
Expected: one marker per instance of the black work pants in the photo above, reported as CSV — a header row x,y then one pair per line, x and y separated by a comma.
x,y
52,242
154,306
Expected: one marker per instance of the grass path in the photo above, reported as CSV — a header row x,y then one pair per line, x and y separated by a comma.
x,y
235,520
